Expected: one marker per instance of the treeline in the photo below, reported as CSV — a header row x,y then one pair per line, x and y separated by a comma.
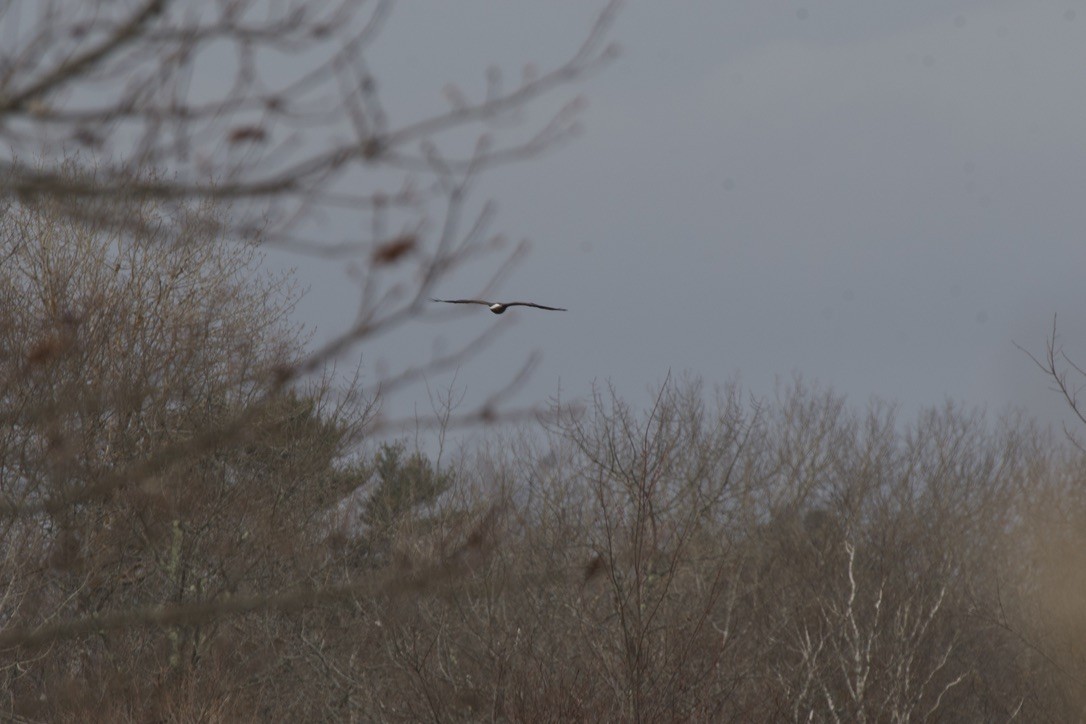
x,y
190,533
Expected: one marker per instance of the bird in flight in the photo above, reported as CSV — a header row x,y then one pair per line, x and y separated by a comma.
x,y
497,307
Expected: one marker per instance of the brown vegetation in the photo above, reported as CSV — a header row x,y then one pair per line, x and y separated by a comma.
x,y
705,559
198,523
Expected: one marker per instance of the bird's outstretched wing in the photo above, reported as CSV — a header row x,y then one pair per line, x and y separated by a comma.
x,y
537,306
461,301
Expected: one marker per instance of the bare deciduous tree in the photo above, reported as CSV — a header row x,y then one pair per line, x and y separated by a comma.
x,y
117,352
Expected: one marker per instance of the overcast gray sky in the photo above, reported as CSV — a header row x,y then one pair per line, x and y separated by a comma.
x,y
881,197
